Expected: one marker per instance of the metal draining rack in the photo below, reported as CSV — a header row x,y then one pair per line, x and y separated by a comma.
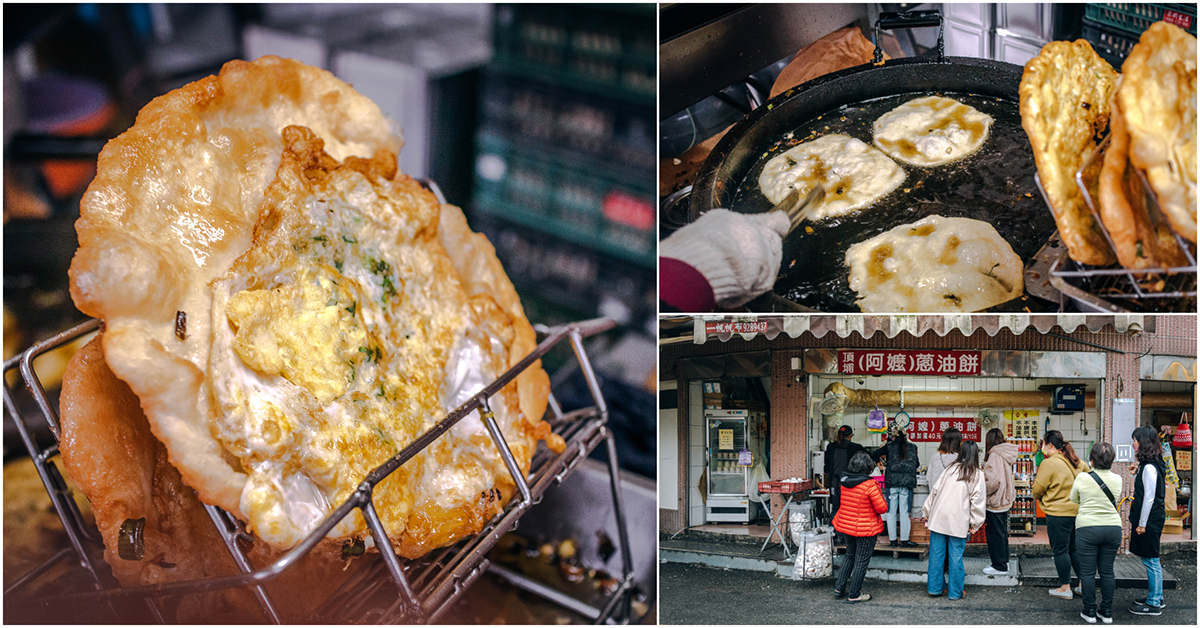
x,y
1093,286
393,590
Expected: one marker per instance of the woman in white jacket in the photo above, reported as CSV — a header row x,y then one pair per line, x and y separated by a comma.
x,y
955,509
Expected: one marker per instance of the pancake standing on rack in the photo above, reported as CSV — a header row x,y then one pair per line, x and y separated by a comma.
x,y
1140,241
1065,96
291,311
1158,99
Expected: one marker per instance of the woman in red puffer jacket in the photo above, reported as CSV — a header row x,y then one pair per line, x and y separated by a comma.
x,y
858,519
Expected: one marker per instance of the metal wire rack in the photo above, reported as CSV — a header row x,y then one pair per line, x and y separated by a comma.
x,y
1095,287
391,590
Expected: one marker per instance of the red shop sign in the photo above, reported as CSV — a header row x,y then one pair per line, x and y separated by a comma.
x,y
739,327
929,430
900,362
1182,20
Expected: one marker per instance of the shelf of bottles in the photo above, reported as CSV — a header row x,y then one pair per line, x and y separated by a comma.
x,y
1022,518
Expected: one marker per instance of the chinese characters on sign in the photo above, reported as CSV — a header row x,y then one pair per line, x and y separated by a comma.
x,y
900,362
735,327
724,439
929,430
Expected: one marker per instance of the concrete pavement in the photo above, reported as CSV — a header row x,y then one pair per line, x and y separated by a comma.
x,y
691,594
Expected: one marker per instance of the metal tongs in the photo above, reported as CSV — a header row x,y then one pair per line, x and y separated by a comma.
x,y
799,209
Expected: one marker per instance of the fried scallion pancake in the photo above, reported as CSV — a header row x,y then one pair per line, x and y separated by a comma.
x,y
1065,96
1158,99
1140,240
935,264
853,173
932,130
291,311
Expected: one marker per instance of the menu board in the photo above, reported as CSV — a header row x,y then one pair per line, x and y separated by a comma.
x,y
725,439
1183,460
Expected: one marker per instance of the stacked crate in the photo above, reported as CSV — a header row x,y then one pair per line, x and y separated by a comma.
x,y
1112,28
565,165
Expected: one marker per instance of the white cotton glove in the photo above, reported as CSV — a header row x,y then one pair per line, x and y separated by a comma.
x,y
738,254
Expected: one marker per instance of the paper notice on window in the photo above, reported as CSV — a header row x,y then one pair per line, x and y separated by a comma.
x,y
725,439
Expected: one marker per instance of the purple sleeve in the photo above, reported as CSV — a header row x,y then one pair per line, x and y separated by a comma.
x,y
683,287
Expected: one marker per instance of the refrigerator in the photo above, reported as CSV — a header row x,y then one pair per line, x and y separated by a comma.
x,y
728,434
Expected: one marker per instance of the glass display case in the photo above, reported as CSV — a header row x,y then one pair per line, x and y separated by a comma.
x,y
728,437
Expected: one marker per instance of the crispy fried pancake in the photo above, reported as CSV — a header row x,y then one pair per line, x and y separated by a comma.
x,y
853,173
1140,242
290,313
1065,105
1158,100
932,130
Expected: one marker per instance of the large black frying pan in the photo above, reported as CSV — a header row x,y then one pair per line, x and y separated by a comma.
x,y
995,184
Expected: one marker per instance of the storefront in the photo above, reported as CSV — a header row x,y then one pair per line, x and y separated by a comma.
x,y
1080,375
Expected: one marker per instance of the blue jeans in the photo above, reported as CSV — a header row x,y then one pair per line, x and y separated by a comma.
x,y
899,506
939,545
1154,594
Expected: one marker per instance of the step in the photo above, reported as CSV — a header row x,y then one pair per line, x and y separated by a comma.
x,y
1129,571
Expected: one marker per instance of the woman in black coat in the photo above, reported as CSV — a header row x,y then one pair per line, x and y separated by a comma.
x,y
837,460
1147,516
900,478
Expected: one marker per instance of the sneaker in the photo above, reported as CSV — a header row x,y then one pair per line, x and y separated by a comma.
x,y
1078,590
1064,595
992,571
1091,619
893,543
1145,609
1105,619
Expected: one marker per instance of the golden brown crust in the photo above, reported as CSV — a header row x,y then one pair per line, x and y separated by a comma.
x,y
1138,241
1065,94
1158,99
123,472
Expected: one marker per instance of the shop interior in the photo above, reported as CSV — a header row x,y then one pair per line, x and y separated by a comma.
x,y
716,475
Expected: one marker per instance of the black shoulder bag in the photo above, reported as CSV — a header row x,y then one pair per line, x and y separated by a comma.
x,y
1104,487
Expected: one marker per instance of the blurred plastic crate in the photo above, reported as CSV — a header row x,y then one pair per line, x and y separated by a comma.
x,y
605,128
579,201
1133,18
1113,46
605,49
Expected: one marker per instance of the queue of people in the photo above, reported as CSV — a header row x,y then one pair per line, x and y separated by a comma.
x,y
1083,518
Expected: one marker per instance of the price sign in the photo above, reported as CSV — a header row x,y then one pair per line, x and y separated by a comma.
x,y
724,439
1183,460
929,430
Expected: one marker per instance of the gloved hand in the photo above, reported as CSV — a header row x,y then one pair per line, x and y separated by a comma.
x,y
738,254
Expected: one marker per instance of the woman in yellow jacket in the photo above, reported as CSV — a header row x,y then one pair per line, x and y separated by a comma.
x,y
1052,488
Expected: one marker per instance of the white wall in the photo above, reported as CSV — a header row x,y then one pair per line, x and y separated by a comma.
x,y
695,453
668,453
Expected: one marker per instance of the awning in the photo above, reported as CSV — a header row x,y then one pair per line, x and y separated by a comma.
x,y
723,328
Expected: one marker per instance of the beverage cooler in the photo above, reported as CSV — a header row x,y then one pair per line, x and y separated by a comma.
x,y
732,449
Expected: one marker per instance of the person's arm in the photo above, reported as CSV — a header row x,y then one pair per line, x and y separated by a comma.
x,y
828,464
736,256
1149,484
877,500
879,453
991,474
1041,482
1074,496
978,506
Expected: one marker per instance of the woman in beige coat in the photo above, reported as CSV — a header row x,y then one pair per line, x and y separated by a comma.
x,y
998,460
954,510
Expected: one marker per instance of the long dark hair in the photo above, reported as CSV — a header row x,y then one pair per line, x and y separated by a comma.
x,y
843,433
994,437
951,441
1055,438
902,444
968,461
1149,448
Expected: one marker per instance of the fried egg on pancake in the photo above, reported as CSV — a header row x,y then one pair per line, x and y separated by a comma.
x,y
1065,105
853,173
936,264
1158,98
932,130
290,312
